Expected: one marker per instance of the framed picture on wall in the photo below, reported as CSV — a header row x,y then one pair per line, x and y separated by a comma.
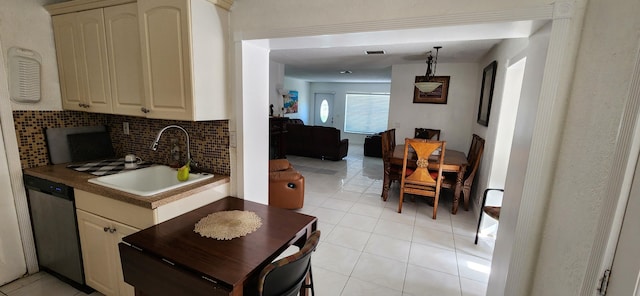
x,y
486,93
437,96
291,102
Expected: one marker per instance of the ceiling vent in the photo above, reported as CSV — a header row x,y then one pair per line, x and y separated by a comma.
x,y
375,51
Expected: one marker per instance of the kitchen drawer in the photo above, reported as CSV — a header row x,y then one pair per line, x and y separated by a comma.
x,y
113,209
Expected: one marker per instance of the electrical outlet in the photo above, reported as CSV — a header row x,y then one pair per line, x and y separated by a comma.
x,y
125,128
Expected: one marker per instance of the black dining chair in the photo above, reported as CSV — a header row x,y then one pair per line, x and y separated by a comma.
x,y
286,277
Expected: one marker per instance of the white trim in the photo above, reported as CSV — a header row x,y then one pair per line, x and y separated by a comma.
x,y
618,187
530,13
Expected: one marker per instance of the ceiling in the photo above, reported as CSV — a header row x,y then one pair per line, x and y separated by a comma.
x,y
321,58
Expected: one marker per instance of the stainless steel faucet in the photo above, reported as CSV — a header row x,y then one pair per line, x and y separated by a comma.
x,y
154,146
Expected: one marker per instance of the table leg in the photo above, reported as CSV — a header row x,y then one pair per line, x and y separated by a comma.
x,y
386,182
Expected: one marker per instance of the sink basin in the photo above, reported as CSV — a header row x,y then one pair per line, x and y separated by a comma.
x,y
148,181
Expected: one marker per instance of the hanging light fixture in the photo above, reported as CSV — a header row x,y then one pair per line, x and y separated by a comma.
x,y
429,84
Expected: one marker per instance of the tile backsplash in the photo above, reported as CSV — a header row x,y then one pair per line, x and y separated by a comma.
x,y
209,140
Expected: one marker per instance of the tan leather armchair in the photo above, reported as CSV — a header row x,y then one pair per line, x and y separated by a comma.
x,y
286,185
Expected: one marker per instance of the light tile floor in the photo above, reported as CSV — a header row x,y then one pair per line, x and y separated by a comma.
x,y
366,247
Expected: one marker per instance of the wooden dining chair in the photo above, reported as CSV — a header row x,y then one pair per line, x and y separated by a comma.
x,y
422,181
287,276
391,171
491,211
473,158
427,133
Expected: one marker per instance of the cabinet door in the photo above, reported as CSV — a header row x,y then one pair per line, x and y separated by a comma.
x,y
94,71
125,68
166,58
122,231
97,253
65,35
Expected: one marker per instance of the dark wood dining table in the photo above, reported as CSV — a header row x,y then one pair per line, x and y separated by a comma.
x,y
454,162
171,259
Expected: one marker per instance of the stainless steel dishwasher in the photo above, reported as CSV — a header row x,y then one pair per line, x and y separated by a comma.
x,y
55,230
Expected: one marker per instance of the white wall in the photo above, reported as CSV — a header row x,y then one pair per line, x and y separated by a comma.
x,y
26,24
340,91
504,51
305,103
34,33
276,82
454,119
252,124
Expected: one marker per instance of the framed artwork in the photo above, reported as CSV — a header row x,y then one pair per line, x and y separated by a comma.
x,y
291,102
486,93
437,96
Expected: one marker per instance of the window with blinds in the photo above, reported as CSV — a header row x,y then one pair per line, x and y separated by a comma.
x,y
366,113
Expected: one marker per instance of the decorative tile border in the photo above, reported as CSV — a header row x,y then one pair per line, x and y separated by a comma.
x,y
209,140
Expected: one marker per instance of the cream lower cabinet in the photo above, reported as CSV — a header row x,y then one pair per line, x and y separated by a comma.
x,y
99,238
103,222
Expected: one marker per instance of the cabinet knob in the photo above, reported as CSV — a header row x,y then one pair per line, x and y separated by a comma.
x,y
144,110
109,229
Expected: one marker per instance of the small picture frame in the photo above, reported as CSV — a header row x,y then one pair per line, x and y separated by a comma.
x,y
486,92
438,96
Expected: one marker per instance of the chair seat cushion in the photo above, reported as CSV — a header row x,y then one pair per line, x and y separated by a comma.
x,y
493,212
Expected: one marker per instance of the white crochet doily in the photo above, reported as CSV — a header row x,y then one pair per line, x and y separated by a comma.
x,y
228,225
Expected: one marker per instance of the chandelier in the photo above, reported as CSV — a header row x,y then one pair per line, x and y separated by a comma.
x,y
430,84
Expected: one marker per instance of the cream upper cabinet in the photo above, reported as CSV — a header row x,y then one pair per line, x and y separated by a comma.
x,y
82,61
94,71
125,64
183,46
64,29
161,59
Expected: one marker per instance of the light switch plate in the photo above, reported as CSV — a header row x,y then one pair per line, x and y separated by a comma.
x,y
232,139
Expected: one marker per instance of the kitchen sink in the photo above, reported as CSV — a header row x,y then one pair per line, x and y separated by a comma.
x,y
148,181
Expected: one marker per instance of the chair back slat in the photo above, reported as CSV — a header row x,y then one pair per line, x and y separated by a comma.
x,y
427,133
421,181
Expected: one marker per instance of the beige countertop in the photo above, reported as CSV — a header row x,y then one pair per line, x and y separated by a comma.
x,y
59,173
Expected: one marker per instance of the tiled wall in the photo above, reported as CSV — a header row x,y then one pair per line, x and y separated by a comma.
x,y
30,127
209,139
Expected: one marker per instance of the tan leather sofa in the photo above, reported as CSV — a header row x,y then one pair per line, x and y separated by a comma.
x,y
286,185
